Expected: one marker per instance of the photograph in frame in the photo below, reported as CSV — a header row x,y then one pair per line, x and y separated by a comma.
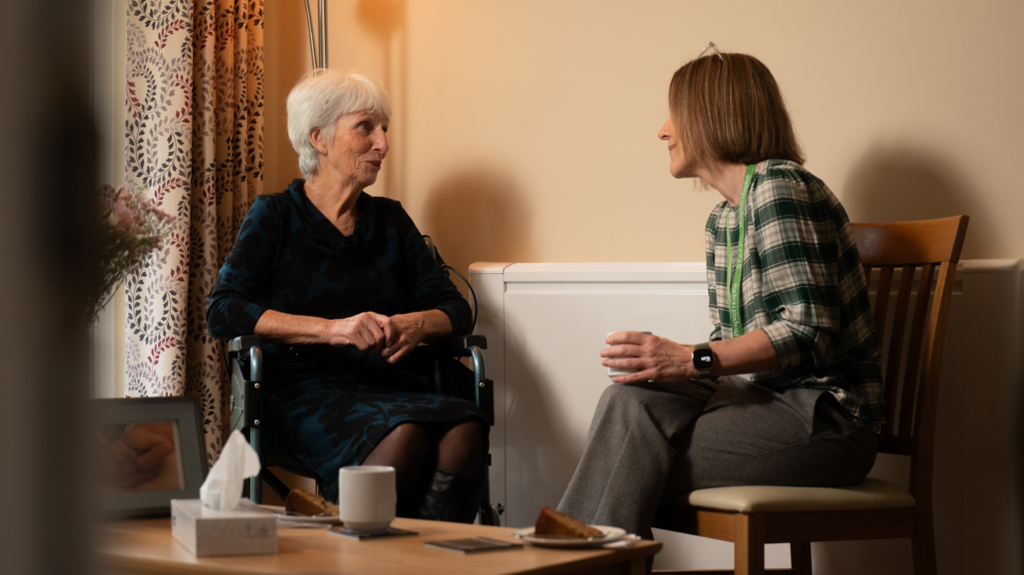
x,y
147,451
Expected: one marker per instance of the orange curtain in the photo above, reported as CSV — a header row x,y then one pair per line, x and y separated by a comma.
x,y
194,140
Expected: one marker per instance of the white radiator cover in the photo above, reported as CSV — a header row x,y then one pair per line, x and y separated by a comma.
x,y
546,323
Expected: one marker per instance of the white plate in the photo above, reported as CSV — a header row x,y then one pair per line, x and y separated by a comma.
x,y
327,519
283,517
609,534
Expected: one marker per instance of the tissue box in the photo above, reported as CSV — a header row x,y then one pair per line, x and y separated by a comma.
x,y
207,532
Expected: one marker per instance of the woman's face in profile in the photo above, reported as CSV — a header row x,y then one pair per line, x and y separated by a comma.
x,y
359,147
679,165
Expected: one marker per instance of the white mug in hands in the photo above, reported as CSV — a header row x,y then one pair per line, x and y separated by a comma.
x,y
614,371
367,497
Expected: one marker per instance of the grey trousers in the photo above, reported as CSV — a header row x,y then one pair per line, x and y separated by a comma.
x,y
654,442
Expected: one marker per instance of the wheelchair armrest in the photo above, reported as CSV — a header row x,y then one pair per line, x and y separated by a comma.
x,y
471,346
244,342
246,392
465,342
247,399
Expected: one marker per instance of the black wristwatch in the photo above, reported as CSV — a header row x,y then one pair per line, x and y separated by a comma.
x,y
703,360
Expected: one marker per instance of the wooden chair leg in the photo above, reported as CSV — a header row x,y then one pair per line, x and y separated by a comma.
x,y
800,558
749,544
924,546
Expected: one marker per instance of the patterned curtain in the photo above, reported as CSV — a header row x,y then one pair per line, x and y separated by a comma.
x,y
194,140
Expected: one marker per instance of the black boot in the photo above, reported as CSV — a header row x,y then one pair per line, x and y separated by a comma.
x,y
452,497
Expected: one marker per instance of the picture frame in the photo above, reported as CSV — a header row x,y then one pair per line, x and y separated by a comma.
x,y
148,450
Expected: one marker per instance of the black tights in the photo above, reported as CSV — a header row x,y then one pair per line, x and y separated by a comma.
x,y
415,449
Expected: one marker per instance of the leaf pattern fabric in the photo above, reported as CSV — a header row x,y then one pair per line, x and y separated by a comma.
x,y
194,139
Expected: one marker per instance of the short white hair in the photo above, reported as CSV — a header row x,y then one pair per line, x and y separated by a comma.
x,y
319,100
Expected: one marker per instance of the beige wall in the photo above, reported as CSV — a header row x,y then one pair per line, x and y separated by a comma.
x,y
524,130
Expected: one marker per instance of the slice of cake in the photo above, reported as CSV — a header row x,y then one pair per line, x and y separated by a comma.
x,y
552,523
308,503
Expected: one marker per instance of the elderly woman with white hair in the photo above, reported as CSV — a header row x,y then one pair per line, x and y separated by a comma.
x,y
344,289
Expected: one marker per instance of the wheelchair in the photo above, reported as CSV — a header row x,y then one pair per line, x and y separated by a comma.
x,y
245,363
245,360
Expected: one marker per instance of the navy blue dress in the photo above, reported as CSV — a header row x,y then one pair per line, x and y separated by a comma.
x,y
328,407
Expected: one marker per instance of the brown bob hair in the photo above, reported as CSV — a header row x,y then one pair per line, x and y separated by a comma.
x,y
729,109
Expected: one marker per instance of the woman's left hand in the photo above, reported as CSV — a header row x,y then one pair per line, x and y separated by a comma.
x,y
404,332
654,358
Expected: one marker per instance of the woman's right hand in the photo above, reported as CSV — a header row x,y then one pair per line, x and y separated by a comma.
x,y
649,357
362,331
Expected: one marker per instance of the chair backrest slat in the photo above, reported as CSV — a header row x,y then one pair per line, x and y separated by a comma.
x,y
912,353
897,331
882,301
913,376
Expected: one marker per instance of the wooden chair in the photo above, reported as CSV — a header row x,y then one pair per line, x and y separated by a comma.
x,y
751,516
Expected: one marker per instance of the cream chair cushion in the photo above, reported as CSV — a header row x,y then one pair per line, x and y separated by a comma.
x,y
871,494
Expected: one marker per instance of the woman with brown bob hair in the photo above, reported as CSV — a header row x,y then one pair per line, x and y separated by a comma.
x,y
787,389
731,110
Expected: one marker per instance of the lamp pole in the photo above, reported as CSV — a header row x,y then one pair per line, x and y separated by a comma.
x,y
321,62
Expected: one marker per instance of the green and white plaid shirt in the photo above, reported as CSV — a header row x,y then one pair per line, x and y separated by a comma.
x,y
802,284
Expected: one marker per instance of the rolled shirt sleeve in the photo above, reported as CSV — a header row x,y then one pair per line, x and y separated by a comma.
x,y
797,246
803,285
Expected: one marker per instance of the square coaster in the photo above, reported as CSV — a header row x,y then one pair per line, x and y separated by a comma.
x,y
473,545
391,532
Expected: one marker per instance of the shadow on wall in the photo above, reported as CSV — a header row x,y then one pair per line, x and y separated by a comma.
x,y
287,59
892,184
385,20
478,215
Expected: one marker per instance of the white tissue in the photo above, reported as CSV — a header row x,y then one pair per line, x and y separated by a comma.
x,y
223,486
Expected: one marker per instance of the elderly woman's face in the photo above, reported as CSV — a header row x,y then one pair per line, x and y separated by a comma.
x,y
359,146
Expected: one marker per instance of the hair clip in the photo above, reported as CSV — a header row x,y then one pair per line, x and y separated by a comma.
x,y
714,50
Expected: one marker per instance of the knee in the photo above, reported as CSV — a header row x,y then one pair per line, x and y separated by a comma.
x,y
617,397
471,433
617,392
411,436
461,447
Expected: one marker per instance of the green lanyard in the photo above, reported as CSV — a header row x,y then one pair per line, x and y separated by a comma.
x,y
734,277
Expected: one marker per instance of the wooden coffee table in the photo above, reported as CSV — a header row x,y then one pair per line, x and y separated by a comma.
x,y
146,546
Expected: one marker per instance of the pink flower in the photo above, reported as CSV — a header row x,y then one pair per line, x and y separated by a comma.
x,y
123,216
134,225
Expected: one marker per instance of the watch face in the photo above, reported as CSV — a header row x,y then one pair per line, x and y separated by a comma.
x,y
703,359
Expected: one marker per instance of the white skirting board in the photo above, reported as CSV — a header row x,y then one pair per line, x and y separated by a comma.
x,y
546,323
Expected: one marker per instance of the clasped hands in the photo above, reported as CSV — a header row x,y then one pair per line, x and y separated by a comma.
x,y
373,333
653,358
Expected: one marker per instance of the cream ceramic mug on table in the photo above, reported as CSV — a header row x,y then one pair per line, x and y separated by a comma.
x,y
613,371
367,497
